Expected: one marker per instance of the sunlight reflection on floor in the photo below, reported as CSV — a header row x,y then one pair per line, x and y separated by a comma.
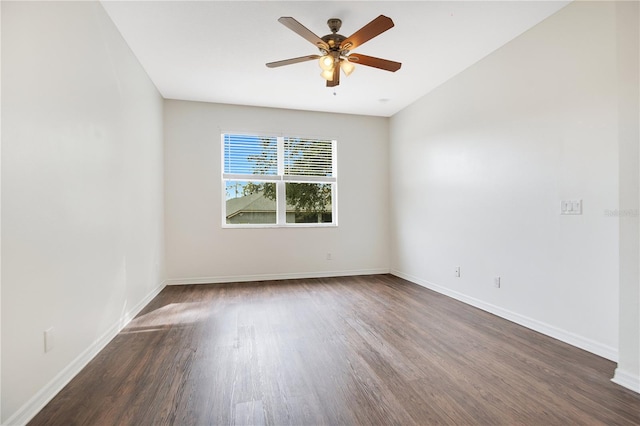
x,y
171,315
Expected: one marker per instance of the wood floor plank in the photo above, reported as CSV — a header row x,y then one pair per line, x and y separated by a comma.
x,y
368,350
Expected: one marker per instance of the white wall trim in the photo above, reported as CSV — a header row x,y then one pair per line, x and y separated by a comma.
x,y
51,389
573,339
627,380
272,277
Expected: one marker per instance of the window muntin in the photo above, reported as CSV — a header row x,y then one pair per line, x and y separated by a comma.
x,y
278,181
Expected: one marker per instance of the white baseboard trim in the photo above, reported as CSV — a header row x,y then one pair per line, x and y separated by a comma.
x,y
272,277
51,389
627,380
573,339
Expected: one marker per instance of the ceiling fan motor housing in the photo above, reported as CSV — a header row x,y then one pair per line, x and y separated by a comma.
x,y
334,40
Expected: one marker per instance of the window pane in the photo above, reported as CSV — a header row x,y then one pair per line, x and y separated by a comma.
x,y
309,202
308,157
250,202
252,155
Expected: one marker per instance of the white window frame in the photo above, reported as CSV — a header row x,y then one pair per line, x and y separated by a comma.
x,y
280,179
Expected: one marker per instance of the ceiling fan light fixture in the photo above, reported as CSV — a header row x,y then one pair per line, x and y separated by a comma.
x,y
327,75
347,67
326,62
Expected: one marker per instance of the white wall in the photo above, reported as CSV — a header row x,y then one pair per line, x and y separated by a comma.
x,y
480,165
199,250
628,52
82,193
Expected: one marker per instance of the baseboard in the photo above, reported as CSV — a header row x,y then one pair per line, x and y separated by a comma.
x,y
272,277
627,380
573,339
51,389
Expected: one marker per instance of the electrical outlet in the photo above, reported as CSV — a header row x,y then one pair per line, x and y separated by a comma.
x,y
457,272
329,256
48,339
496,282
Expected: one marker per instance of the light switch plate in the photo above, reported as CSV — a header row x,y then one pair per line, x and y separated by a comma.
x,y
571,207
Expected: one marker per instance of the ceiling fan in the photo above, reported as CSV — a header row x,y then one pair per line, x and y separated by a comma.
x,y
335,49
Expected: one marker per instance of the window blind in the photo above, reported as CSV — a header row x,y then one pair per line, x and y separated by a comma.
x,y
308,157
250,155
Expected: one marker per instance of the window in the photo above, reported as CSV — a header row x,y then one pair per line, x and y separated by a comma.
x,y
278,181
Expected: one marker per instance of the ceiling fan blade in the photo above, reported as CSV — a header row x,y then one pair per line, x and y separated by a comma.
x,y
292,61
372,29
336,77
303,31
370,61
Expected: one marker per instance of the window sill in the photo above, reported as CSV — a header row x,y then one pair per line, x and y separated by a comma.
x,y
289,226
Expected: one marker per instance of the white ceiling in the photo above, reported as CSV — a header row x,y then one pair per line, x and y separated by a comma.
x,y
215,51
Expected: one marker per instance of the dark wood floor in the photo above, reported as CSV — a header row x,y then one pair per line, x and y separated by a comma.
x,y
374,350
